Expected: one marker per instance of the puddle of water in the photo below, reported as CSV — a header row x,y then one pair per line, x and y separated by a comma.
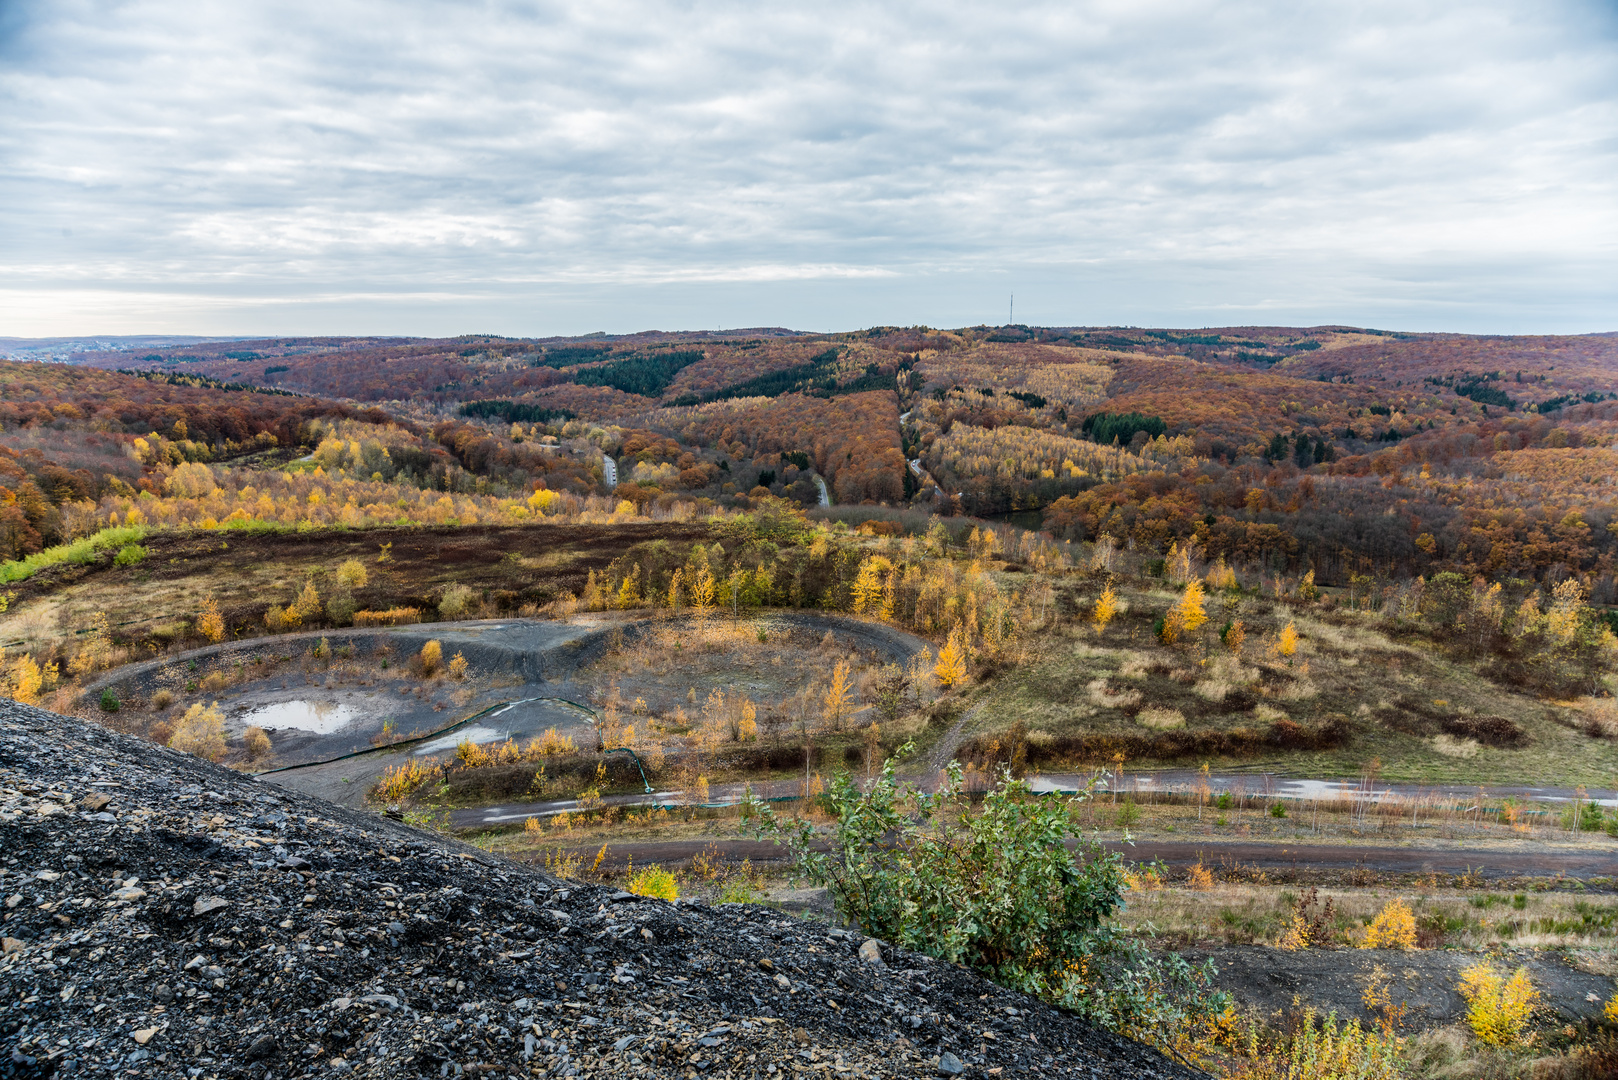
x,y
319,717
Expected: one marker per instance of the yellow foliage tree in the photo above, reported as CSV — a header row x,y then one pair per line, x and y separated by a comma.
x,y
352,574
838,700
1220,575
210,624
950,670
26,679
591,599
1190,608
702,588
432,657
307,605
1234,636
457,666
629,590
1106,608
1307,589
1567,608
1286,643
870,585
201,731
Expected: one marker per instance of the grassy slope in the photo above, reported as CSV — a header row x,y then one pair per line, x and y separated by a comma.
x,y
1357,671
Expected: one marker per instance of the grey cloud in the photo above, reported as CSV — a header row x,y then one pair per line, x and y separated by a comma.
x,y
266,161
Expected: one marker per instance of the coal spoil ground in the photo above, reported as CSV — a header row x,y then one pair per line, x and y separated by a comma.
x,y
164,917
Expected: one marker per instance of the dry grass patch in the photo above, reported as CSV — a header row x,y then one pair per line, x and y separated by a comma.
x,y
1161,719
1100,694
1450,746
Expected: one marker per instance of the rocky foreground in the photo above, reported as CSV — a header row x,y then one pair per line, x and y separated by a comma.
x,y
164,917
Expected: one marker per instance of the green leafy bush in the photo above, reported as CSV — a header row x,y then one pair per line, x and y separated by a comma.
x,y
109,701
996,888
129,555
79,551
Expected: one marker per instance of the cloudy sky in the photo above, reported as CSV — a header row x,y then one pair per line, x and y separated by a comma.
x,y
423,167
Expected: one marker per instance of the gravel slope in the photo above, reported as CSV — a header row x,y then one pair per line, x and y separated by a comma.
x,y
167,918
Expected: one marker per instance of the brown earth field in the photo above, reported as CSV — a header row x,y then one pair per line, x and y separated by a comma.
x,y
152,602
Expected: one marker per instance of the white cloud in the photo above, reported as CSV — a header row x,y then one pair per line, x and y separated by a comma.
x,y
1149,161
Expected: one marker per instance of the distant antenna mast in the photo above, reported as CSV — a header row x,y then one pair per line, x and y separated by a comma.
x,y
1011,311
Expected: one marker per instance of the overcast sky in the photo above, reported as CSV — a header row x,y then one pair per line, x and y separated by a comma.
x,y
418,167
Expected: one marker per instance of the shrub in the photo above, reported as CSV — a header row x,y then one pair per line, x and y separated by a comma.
x,y
1199,877
741,885
399,616
1286,643
26,680
352,575
549,744
1128,814
340,609
162,700
432,658
213,682
201,731
280,619
457,600
210,624
1394,927
401,780
653,881
993,886
457,666
1278,810
109,700
322,649
79,551
160,732
129,555
1498,1008
1310,924
1488,730
1322,1049
257,741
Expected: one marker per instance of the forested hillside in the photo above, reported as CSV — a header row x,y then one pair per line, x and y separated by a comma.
x,y
1345,451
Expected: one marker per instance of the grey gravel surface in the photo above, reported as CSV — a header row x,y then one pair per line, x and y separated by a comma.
x,y
163,917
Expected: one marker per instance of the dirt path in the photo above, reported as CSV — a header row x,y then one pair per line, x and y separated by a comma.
x,y
1333,980
1270,785
1283,859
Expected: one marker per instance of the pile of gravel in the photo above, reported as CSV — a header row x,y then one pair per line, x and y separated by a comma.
x,y
166,917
